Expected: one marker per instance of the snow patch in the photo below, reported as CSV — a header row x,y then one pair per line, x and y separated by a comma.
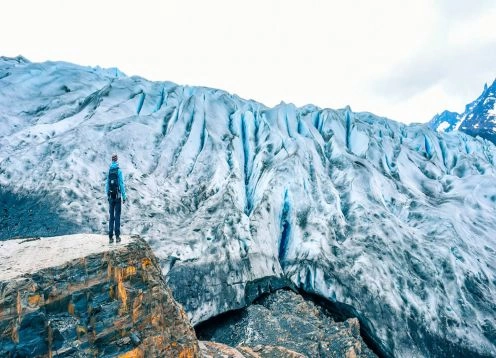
x,y
26,256
443,126
492,112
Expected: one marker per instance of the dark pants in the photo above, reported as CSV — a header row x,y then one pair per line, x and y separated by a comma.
x,y
115,216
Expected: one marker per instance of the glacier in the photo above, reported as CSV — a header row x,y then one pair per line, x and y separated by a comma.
x,y
392,222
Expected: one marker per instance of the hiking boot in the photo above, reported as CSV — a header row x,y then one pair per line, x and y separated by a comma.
x,y
118,239
111,239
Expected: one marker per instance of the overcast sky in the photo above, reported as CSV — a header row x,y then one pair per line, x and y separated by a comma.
x,y
406,60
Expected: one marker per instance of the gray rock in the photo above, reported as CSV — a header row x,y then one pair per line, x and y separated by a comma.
x,y
286,319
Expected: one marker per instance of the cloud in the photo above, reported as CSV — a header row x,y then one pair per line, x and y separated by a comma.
x,y
456,69
455,10
459,55
386,56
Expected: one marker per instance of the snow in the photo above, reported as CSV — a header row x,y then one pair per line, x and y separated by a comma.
x,y
443,126
396,221
29,255
492,112
461,120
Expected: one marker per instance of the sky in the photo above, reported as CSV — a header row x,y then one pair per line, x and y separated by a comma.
x,y
406,60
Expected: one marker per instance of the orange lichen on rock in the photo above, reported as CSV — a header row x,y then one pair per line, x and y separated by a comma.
x,y
120,275
135,353
122,295
14,334
128,272
124,273
18,306
187,353
138,301
34,300
351,353
157,342
80,331
156,320
145,263
70,308
183,313
109,270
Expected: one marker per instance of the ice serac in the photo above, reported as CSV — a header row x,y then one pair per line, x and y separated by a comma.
x,y
393,223
79,296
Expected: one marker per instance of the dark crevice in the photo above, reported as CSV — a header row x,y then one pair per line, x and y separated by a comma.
x,y
140,103
348,130
160,101
228,327
428,148
246,164
205,331
4,74
285,229
444,154
166,120
203,140
288,127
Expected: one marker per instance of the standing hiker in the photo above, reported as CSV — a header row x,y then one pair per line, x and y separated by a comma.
x,y
115,191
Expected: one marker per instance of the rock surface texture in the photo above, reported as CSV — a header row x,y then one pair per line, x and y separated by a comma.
x,y
78,296
288,320
394,222
219,350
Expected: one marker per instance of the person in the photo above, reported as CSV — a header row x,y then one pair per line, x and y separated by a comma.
x,y
115,191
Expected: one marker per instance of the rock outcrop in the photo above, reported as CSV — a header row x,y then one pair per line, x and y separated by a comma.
x,y
299,328
219,350
78,296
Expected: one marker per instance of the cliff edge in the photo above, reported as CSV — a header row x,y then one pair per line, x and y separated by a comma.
x,y
77,295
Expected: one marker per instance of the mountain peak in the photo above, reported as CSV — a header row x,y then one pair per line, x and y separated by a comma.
x,y
478,119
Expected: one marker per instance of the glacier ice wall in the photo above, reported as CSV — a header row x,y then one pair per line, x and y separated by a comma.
x,y
235,198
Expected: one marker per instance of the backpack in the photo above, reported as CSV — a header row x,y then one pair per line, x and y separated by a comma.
x,y
113,182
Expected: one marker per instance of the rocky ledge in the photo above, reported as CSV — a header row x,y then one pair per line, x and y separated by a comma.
x,y
284,324
79,296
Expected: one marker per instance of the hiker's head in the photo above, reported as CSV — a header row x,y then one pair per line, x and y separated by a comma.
x,y
114,157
